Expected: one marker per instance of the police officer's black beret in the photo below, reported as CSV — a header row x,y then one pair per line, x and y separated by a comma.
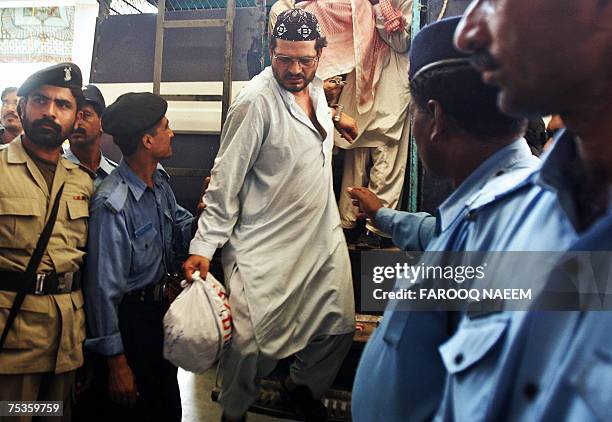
x,y
65,75
93,95
433,47
133,113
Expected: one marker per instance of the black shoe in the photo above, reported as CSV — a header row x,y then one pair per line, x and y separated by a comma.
x,y
368,240
224,419
351,235
307,407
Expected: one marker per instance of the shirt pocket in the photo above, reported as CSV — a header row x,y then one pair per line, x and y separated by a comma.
x,y
33,324
593,383
470,357
146,249
76,224
21,221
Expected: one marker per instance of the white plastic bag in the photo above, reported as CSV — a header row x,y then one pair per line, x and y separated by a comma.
x,y
198,325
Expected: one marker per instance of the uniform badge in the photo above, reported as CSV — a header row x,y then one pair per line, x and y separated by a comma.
x,y
67,73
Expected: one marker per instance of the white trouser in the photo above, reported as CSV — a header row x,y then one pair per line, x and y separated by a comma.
x,y
380,169
243,366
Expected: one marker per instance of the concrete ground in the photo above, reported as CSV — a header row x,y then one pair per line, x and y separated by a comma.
x,y
196,401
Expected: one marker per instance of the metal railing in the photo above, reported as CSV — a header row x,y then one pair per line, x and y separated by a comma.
x,y
128,7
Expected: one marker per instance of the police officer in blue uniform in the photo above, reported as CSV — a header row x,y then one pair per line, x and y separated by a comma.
x,y
86,138
401,374
137,234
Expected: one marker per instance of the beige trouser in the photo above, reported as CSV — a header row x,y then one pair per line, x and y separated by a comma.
x,y
243,366
38,387
380,169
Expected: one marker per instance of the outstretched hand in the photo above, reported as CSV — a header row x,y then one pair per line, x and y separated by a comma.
x,y
367,202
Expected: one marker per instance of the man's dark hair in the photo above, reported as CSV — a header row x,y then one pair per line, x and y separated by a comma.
x,y
96,107
536,136
319,43
469,103
6,91
128,144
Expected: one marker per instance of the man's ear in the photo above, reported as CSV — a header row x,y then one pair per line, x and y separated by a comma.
x,y
438,120
147,141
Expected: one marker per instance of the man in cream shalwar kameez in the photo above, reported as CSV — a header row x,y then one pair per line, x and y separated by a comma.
x,y
271,203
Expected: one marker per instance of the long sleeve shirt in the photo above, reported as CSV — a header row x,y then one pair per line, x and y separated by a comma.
x,y
135,234
414,231
541,365
401,374
49,329
271,203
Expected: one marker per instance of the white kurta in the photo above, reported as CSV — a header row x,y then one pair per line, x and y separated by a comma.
x,y
384,123
271,202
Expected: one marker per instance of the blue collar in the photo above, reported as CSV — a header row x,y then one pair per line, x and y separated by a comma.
x,y
563,153
501,160
135,183
561,170
106,165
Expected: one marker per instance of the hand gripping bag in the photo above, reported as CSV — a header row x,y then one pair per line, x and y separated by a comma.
x,y
198,325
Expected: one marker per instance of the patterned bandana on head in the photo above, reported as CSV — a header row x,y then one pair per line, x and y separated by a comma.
x,y
296,25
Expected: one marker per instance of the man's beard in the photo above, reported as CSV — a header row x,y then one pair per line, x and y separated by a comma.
x,y
305,78
47,137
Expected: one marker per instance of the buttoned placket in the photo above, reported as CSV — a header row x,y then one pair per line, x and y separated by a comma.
x,y
160,216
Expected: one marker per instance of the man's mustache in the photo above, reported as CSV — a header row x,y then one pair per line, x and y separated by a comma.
x,y
484,61
10,114
79,131
47,122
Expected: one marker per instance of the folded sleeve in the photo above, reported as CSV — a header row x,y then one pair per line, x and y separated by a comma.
x,y
108,264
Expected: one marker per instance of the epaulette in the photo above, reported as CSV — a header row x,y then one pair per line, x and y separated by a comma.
x,y
501,187
118,196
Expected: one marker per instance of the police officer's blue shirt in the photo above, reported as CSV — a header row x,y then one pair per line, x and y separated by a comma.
x,y
105,168
401,375
565,373
414,231
135,235
498,364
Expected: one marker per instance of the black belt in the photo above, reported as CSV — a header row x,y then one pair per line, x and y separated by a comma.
x,y
151,293
43,284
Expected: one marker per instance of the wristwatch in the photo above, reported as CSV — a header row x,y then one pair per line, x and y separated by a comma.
x,y
339,108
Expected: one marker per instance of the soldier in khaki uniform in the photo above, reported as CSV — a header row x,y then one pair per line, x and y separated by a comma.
x,y
43,348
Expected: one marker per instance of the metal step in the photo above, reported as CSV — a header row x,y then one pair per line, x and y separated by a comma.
x,y
337,402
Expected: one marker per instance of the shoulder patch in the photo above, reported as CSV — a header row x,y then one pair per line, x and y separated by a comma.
x,y
500,187
117,198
